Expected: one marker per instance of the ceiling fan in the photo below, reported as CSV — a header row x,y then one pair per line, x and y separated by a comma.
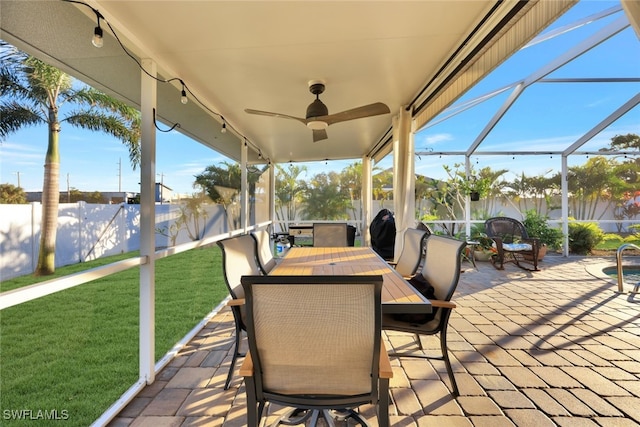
x,y
318,118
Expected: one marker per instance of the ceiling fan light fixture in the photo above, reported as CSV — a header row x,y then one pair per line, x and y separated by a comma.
x,y
317,125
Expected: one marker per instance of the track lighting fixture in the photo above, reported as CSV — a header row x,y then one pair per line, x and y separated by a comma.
x,y
97,40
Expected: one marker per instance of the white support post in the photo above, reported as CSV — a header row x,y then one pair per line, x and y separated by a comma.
x,y
147,222
272,197
366,197
244,188
467,198
565,205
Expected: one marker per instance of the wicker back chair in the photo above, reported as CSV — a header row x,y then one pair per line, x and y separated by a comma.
x,y
513,244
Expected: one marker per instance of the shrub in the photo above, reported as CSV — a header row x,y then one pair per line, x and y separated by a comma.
x,y
537,226
612,237
634,228
584,237
632,238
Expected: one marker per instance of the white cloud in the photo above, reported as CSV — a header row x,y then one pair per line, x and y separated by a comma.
x,y
432,139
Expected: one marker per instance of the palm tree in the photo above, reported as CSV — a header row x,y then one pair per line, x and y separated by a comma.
x,y
323,199
32,93
223,184
289,188
351,185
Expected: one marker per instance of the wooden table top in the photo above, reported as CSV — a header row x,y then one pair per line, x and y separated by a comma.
x,y
398,296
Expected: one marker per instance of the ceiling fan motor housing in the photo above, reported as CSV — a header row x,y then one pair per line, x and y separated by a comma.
x,y
317,109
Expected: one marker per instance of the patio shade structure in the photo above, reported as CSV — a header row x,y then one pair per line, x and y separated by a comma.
x,y
227,57
416,57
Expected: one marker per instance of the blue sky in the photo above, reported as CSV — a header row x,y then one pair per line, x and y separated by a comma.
x,y
546,117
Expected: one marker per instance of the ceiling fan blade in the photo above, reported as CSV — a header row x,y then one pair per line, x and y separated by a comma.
x,y
319,135
374,109
270,114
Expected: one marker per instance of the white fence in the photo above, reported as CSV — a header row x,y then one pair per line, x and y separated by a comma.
x,y
90,231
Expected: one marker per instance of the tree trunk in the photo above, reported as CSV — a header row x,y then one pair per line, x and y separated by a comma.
x,y
50,200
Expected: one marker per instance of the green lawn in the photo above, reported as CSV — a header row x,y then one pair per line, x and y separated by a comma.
x,y
613,241
77,350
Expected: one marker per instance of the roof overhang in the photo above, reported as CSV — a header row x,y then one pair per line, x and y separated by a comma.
x,y
235,55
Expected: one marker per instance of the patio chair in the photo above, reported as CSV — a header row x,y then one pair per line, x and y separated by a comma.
x,y
412,252
238,259
315,346
513,244
441,270
330,234
266,261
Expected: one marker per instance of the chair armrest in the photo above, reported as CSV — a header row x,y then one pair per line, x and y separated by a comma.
x,y
534,242
246,369
384,366
442,304
499,248
235,302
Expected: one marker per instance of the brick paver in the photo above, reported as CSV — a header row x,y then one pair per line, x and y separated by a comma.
x,y
556,347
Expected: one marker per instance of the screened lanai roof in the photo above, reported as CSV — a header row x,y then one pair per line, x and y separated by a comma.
x,y
231,56
568,91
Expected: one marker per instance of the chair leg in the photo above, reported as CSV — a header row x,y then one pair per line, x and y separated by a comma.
x,y
254,409
236,353
383,402
497,261
418,341
445,357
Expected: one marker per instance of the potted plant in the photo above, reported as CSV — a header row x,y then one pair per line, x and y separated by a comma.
x,y
482,247
537,225
477,188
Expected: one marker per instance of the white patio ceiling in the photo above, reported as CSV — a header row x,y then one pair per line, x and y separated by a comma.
x,y
234,55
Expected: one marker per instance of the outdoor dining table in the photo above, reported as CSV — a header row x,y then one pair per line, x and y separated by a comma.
x,y
398,296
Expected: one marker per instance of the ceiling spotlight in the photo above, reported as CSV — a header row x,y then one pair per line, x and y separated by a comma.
x,y
224,128
97,33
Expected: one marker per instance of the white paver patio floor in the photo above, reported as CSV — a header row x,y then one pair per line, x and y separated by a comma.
x,y
556,347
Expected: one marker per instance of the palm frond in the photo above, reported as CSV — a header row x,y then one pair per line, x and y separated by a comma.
x,y
126,131
95,98
16,116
